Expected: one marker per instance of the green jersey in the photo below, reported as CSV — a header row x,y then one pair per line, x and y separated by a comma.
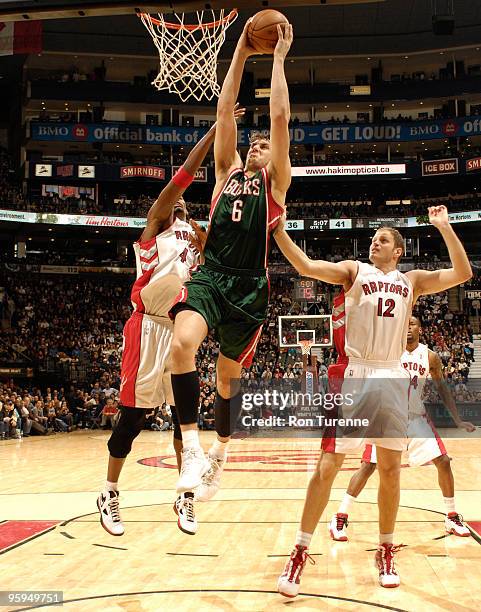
x,y
241,218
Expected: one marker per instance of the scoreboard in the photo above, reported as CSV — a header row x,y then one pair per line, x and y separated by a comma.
x,y
305,290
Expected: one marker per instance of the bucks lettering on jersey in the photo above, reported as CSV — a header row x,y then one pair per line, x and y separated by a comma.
x,y
241,217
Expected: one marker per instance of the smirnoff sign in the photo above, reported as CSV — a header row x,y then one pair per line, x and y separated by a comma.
x,y
151,172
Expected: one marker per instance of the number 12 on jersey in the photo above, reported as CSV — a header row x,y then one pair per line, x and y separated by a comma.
x,y
385,307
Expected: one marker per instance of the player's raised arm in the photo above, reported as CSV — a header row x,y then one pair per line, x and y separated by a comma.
x,y
162,207
225,145
426,282
436,372
342,273
279,167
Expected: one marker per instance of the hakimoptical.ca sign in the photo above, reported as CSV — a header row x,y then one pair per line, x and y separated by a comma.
x,y
322,133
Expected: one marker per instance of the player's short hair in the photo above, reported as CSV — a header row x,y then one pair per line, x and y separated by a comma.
x,y
258,135
398,239
418,319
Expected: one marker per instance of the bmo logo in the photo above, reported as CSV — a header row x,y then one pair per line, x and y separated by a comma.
x,y
52,130
80,132
440,166
450,128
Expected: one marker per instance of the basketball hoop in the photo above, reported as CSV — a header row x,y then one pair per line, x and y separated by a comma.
x,y
306,346
188,52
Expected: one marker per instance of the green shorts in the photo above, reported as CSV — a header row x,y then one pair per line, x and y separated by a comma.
x,y
233,304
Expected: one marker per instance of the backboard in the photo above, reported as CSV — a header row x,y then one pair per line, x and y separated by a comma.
x,y
293,329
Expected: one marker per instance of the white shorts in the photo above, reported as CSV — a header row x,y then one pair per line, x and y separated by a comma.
x,y
423,445
145,372
378,392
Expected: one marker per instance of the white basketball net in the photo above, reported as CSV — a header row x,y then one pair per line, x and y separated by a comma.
x,y
188,53
306,346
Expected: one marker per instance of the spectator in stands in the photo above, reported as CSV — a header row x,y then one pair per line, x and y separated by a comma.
x,y
207,417
166,418
12,421
109,413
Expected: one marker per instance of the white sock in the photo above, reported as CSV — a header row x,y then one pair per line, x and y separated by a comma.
x,y
190,438
346,502
218,448
110,486
303,538
386,538
449,502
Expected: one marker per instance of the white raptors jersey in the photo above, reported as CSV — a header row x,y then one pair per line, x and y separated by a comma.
x,y
164,263
378,307
417,364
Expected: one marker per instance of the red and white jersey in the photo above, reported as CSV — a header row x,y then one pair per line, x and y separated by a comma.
x,y
163,263
417,364
377,311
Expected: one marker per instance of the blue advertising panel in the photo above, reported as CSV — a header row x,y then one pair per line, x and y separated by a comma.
x,y
322,133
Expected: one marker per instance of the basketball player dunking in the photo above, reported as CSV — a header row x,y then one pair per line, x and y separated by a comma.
x,y
165,256
423,444
229,294
378,303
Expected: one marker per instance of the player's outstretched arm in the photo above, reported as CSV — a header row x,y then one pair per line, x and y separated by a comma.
x,y
279,167
426,282
342,273
162,207
436,372
225,145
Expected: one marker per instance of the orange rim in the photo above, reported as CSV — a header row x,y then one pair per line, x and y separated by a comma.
x,y
190,27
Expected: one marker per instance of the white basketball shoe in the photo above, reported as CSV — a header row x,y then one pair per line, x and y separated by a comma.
x,y
384,561
454,524
108,505
194,466
289,581
211,479
338,526
184,508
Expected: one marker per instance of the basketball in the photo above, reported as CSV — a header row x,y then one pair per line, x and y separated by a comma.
x,y
262,30
264,170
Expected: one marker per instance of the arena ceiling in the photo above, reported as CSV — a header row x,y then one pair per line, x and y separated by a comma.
x,y
337,27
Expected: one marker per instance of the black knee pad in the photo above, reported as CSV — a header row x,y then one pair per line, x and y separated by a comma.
x,y
226,414
176,424
129,425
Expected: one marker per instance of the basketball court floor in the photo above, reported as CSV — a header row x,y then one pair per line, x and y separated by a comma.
x,y
51,539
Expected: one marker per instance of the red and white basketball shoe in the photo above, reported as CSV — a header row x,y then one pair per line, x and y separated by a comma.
x,y
338,526
454,524
384,561
289,581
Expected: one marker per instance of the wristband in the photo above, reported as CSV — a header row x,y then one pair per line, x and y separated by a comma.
x,y
182,178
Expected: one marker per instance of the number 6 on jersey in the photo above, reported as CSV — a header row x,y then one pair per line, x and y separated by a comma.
x,y
237,210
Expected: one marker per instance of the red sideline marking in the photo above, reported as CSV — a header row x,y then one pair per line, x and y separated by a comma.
x,y
13,533
475,526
